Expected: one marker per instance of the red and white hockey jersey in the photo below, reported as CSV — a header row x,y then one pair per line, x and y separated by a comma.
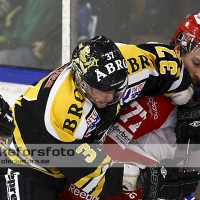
x,y
144,133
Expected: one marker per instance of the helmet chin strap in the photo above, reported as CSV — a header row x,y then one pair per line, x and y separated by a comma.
x,y
101,102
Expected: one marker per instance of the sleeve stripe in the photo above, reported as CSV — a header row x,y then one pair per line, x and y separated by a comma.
x,y
95,181
142,75
178,82
87,178
81,129
47,115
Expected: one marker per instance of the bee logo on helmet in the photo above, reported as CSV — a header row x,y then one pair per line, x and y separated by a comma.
x,y
84,59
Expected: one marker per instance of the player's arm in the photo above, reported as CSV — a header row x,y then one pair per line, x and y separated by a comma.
x,y
155,69
93,171
173,76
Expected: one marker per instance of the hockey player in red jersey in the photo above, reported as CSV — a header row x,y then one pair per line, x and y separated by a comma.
x,y
151,145
144,134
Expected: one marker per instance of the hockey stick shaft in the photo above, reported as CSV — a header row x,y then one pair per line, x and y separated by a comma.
x,y
186,161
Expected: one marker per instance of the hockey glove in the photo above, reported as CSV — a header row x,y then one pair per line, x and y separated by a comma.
x,y
188,125
167,183
6,119
130,177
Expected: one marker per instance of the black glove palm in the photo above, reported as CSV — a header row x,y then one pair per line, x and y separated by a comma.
x,y
188,124
168,183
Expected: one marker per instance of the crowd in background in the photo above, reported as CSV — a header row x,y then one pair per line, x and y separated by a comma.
x,y
31,31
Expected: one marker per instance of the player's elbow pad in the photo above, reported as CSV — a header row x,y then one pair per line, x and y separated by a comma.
x,y
181,98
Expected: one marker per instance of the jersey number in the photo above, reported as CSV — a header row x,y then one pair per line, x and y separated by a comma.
x,y
165,65
89,153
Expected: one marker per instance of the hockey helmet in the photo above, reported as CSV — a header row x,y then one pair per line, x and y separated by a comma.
x,y
188,33
98,63
6,119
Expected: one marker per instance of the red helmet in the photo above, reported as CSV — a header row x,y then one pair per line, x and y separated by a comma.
x,y
188,33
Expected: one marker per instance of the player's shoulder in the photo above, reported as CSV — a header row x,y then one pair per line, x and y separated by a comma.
x,y
154,46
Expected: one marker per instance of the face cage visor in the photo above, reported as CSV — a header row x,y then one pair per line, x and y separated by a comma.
x,y
117,94
188,42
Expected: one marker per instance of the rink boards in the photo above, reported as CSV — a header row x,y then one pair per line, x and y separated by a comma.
x,y
15,80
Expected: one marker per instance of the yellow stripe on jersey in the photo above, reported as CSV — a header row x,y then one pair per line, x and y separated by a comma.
x,y
18,102
52,171
87,178
106,160
96,177
32,92
20,143
99,187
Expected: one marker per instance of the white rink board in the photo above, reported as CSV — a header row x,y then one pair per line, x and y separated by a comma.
x,y
11,91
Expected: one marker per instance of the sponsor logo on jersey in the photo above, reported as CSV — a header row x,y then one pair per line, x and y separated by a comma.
x,y
132,92
54,76
12,185
120,135
92,120
190,198
152,107
111,68
78,192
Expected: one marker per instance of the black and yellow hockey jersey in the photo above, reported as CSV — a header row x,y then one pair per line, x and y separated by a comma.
x,y
53,111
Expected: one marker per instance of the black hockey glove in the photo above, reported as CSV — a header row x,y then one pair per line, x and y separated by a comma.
x,y
188,125
167,182
6,119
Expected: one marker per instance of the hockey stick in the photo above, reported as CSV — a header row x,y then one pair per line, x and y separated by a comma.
x,y
186,161
24,159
